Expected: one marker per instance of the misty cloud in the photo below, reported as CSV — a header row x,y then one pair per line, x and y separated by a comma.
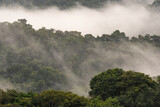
x,y
5,84
131,18
141,57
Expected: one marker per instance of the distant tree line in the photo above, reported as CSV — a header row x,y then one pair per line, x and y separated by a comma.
x,y
62,4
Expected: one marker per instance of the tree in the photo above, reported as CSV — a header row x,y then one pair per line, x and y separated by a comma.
x,y
53,98
117,82
24,21
109,102
104,84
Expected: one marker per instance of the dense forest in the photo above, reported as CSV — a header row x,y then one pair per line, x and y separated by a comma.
x,y
46,59
111,88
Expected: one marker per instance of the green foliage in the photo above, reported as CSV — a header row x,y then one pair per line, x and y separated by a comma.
x,y
140,99
44,59
34,76
158,79
52,98
105,84
13,98
59,98
39,59
109,102
128,86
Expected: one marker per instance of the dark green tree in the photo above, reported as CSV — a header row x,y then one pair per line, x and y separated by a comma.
x,y
117,82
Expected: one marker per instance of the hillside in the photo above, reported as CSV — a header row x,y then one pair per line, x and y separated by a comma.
x,y
45,59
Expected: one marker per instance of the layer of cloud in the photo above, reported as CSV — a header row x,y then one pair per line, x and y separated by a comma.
x,y
131,18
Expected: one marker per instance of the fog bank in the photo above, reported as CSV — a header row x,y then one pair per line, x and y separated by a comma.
x,y
131,18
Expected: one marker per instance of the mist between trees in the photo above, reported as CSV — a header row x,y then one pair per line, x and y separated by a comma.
x,y
51,59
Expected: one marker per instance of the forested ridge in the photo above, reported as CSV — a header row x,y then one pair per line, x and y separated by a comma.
x,y
64,4
46,59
